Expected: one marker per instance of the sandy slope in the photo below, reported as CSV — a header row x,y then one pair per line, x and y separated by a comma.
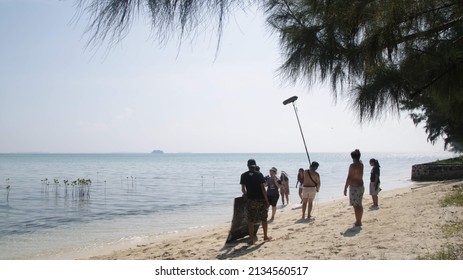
x,y
407,225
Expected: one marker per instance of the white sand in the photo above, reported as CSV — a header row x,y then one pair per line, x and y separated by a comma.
x,y
408,224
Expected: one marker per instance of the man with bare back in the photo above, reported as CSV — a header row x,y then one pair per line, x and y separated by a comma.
x,y
356,187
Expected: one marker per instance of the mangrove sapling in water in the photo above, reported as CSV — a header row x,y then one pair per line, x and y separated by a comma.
x,y
8,187
66,184
45,185
56,185
79,189
84,188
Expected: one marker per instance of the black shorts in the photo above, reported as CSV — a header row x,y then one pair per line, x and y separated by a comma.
x,y
273,199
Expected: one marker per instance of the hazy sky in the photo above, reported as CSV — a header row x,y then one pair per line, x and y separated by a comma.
x,y
56,95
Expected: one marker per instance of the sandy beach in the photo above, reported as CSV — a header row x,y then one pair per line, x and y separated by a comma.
x,y
407,225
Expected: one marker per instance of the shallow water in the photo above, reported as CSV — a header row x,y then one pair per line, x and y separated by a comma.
x,y
132,196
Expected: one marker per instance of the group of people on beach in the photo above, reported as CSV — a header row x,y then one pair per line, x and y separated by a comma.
x,y
262,192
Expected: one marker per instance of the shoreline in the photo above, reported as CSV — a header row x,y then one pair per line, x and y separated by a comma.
x,y
406,225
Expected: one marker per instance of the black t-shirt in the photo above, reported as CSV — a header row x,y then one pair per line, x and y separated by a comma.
x,y
253,180
374,171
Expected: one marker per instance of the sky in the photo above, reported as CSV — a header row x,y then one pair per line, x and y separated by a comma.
x,y
57,95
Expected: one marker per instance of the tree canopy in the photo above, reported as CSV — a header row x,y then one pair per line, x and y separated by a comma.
x,y
110,20
389,55
384,55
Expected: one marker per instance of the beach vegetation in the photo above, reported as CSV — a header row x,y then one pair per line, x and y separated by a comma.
x,y
456,160
451,250
81,188
78,189
454,198
452,229
448,252
385,57
45,185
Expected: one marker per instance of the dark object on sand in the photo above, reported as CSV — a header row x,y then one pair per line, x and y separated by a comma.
x,y
239,225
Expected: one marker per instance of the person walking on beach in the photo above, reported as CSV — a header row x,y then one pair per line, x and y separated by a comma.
x,y
284,190
273,194
300,181
253,189
311,186
356,187
374,182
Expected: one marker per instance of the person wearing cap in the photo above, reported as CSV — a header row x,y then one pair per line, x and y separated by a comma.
x,y
253,187
310,188
273,185
356,187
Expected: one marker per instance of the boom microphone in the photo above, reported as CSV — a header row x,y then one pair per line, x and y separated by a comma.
x,y
290,100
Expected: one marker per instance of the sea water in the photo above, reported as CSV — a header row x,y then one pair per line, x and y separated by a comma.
x,y
56,204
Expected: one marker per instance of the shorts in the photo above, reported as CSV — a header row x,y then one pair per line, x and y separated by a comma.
x,y
356,195
309,192
273,199
374,190
273,195
256,210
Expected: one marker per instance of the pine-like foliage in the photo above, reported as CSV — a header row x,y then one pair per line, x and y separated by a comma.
x,y
390,55
384,55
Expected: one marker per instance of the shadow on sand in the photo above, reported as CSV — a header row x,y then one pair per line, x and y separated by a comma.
x,y
306,221
351,232
238,248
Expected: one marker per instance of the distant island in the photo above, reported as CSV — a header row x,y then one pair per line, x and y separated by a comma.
x,y
157,152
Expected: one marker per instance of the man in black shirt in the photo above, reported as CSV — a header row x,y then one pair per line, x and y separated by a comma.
x,y
252,186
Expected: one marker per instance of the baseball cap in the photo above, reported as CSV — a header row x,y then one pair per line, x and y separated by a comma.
x,y
251,162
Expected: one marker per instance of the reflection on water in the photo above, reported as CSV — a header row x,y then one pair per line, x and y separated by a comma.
x,y
48,207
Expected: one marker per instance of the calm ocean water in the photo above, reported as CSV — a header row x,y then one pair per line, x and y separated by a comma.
x,y
135,196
